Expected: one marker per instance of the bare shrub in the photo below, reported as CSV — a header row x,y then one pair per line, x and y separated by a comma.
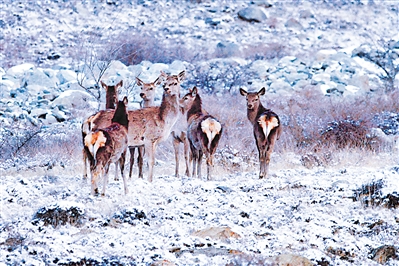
x,y
135,47
56,215
347,132
265,51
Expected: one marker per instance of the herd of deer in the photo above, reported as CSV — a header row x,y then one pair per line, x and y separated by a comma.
x,y
109,133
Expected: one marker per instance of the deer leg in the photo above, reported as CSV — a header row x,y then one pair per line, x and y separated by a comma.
x,y
262,162
151,159
176,143
95,175
84,164
140,160
131,150
116,171
105,179
122,165
187,155
195,155
209,163
200,154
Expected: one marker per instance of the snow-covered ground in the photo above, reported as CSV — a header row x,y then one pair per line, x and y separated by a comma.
x,y
308,213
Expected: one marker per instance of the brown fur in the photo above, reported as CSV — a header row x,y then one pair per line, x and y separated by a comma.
x,y
266,127
108,145
204,132
94,122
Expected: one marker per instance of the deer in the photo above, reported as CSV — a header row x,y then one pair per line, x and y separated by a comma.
x,y
151,125
266,128
108,145
148,95
95,121
204,132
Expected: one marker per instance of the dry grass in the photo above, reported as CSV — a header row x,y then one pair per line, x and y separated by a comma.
x,y
317,131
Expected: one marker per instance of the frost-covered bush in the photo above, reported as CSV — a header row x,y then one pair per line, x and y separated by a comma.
x,y
60,214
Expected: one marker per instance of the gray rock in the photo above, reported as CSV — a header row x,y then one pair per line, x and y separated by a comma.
x,y
227,49
252,14
293,24
37,77
65,76
75,99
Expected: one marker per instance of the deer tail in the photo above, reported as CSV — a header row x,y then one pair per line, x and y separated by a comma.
x,y
94,141
211,127
267,124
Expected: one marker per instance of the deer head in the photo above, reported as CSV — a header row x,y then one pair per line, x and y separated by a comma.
x,y
172,83
111,94
253,98
187,100
148,90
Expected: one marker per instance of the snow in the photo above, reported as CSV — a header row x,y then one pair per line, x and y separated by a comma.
x,y
298,211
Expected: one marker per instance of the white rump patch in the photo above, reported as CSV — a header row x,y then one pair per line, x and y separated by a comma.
x,y
94,141
267,124
211,127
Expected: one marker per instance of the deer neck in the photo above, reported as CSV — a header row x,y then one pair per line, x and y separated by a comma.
x,y
195,109
169,109
110,99
147,103
253,114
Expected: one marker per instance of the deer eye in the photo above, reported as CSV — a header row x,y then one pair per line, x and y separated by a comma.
x,y
150,89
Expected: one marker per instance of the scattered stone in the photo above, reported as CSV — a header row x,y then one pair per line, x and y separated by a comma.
x,y
252,14
291,259
218,233
383,254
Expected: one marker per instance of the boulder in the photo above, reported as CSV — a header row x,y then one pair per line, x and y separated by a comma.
x,y
75,99
291,259
383,254
19,70
218,233
227,49
252,14
37,76
66,75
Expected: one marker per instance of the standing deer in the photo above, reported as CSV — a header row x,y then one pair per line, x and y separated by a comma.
x,y
147,92
148,95
204,132
266,126
95,121
108,145
151,125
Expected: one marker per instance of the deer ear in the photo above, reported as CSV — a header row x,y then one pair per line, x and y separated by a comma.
x,y
120,84
182,75
104,85
139,82
243,92
194,91
262,91
158,81
125,101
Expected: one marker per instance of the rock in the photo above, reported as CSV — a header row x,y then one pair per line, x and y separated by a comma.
x,y
75,99
37,76
290,260
19,70
65,76
293,24
218,233
360,81
252,14
383,254
305,14
227,49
